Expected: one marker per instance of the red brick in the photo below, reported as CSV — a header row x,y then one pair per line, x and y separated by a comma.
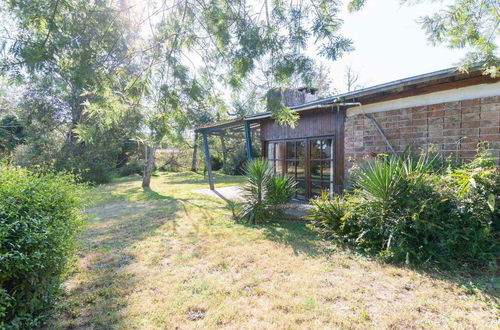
x,y
468,154
473,109
436,107
490,107
418,122
468,145
452,112
470,131
451,123
451,105
495,137
419,115
469,103
471,124
437,113
470,116
489,130
491,99
451,132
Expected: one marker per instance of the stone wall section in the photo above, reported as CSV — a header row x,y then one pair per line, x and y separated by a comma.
x,y
451,129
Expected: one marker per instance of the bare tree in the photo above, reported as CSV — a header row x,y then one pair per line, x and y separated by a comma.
x,y
352,79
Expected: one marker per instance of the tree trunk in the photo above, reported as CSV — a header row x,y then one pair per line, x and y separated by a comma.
x,y
224,150
148,168
195,152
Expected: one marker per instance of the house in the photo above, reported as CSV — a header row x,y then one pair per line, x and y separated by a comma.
x,y
448,110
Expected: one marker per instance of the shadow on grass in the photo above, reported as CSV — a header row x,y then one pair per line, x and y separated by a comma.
x,y
295,234
303,240
199,178
96,299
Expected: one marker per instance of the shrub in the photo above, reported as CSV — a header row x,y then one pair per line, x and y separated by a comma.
x,y
402,209
39,217
264,190
280,189
134,166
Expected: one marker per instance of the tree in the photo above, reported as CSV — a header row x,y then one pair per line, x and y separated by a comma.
x,y
11,135
464,24
73,55
236,44
100,67
351,79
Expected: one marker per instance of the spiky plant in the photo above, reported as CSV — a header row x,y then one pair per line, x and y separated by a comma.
x,y
259,173
264,189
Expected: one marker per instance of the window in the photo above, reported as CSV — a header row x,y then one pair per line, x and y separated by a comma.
x,y
309,161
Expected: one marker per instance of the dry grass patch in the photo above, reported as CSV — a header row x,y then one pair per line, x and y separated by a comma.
x,y
170,258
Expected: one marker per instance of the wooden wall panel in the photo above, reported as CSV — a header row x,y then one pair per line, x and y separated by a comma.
x,y
311,123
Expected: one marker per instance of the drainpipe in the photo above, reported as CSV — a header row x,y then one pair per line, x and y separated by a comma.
x,y
377,126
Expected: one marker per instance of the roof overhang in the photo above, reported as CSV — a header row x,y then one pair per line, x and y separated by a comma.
x,y
353,98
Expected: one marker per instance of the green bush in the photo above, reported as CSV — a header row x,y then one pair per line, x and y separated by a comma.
x,y
404,209
39,217
264,190
133,166
280,189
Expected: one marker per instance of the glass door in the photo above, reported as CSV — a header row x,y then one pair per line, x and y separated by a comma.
x,y
321,165
309,161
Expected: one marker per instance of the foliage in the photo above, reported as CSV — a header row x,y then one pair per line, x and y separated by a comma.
x,y
464,24
264,190
39,217
11,134
402,209
133,166
280,190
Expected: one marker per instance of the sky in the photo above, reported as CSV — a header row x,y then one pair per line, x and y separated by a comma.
x,y
390,44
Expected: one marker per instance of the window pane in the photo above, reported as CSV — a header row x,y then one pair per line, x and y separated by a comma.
x,y
301,189
316,188
316,170
327,167
301,173
301,149
328,148
291,168
280,166
280,150
316,149
290,150
270,151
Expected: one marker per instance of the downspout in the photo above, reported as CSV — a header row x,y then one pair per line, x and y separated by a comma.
x,y
374,122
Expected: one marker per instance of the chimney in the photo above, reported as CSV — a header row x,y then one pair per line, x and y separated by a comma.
x,y
293,96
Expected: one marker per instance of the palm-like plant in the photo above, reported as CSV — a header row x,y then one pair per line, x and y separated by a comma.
x,y
259,173
264,189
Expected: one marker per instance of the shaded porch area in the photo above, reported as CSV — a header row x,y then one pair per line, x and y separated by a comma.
x,y
229,128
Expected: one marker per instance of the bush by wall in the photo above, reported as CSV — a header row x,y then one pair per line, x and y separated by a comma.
x,y
403,209
39,217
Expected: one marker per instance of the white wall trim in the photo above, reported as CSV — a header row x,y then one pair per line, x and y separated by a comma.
x,y
452,95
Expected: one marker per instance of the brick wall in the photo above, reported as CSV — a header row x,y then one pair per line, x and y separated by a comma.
x,y
452,128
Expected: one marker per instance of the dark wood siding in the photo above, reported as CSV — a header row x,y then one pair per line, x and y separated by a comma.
x,y
311,123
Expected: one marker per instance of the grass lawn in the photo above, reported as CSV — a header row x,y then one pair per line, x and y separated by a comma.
x,y
168,258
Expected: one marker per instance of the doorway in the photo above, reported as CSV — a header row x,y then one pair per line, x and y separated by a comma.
x,y
310,161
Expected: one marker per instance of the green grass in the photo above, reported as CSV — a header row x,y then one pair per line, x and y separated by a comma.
x,y
168,257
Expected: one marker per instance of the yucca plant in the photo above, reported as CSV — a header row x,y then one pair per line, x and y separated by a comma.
x,y
280,190
264,189
259,173
385,180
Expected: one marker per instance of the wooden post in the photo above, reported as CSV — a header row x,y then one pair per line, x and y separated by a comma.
x,y
207,161
248,140
195,152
